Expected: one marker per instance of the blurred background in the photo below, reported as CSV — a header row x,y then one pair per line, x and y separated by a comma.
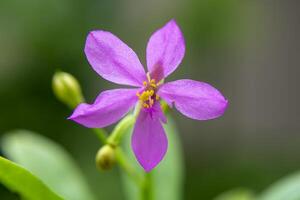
x,y
249,50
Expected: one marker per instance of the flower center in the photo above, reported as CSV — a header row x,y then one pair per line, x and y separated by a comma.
x,y
148,95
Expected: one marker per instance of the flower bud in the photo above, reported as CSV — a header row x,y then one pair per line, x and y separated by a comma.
x,y
105,158
67,89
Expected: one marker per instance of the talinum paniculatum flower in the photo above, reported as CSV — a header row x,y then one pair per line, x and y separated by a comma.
x,y
113,60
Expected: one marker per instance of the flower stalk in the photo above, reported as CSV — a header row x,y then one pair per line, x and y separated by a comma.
x,y
127,168
119,130
101,134
147,189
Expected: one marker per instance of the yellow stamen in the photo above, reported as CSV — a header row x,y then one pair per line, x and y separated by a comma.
x,y
148,96
148,77
153,85
146,105
157,97
151,92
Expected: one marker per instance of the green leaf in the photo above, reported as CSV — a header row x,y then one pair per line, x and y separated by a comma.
x,y
21,181
167,176
287,188
236,194
49,161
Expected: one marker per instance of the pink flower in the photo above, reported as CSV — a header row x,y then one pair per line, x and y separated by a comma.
x,y
113,60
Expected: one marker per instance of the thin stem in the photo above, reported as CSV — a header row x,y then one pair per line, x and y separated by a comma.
x,y
114,140
145,183
125,165
101,134
122,127
120,157
147,189
119,130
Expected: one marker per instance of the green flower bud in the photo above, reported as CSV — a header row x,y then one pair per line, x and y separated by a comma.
x,y
106,158
67,89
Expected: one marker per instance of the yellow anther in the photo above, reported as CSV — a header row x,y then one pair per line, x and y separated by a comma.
x,y
145,105
138,94
153,85
143,97
157,97
148,96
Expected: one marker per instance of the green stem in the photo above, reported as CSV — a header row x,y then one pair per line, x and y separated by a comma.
x,y
119,130
122,127
145,183
125,165
101,134
115,138
147,188
120,156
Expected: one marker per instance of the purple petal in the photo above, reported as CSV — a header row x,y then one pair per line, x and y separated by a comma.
x,y
149,141
109,107
194,99
113,59
157,112
165,50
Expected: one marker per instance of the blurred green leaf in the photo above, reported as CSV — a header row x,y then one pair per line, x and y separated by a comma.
x,y
236,194
21,181
287,188
49,161
167,176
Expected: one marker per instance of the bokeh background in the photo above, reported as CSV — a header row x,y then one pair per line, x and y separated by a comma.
x,y
247,49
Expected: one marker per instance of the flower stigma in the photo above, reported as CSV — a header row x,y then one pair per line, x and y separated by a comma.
x,y
148,95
